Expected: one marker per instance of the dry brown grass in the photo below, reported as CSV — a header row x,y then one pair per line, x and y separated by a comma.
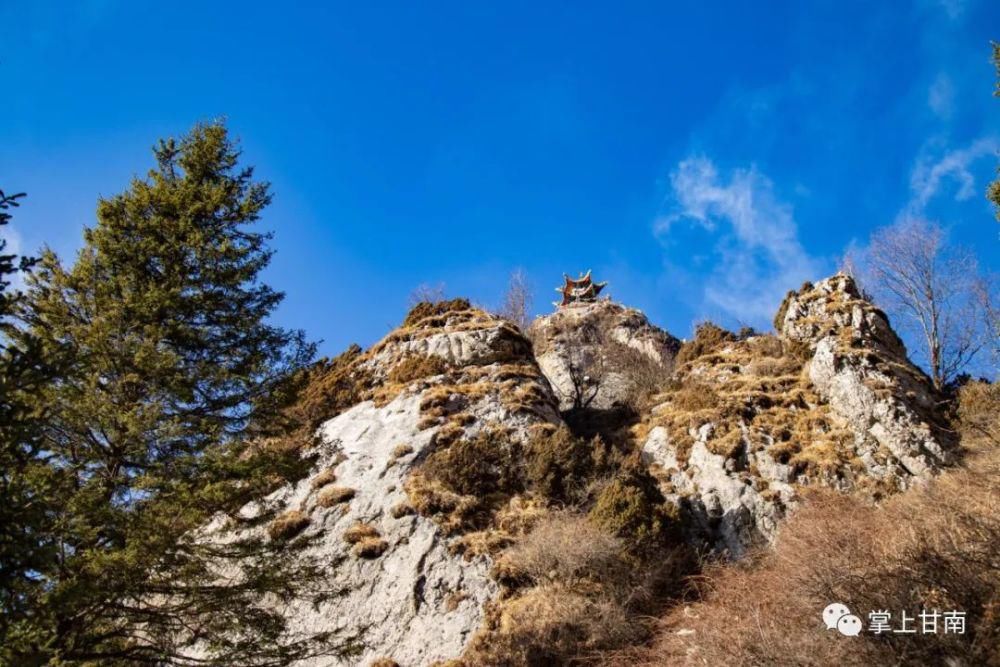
x,y
335,495
399,510
287,525
933,547
326,476
707,339
551,625
367,541
979,403
370,547
383,662
327,388
359,531
756,395
416,366
426,310
479,466
454,599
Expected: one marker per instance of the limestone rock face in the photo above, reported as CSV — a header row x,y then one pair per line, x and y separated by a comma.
x,y
831,400
415,602
594,353
860,367
407,499
403,591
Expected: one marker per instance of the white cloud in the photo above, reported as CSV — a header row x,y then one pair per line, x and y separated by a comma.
x,y
930,175
756,256
941,96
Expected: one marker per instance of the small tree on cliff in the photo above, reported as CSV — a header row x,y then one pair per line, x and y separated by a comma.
x,y
993,191
516,307
173,367
933,289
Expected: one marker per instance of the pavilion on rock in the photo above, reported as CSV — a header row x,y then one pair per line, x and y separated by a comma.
x,y
579,290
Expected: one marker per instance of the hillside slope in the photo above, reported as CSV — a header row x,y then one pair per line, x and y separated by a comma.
x,y
483,499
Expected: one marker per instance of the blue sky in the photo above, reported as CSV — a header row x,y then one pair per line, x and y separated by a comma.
x,y
702,157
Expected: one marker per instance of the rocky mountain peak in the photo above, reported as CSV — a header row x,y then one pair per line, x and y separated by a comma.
x,y
831,399
596,353
446,454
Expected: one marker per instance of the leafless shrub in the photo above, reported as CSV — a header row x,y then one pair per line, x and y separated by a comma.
x,y
427,293
932,290
708,338
516,307
566,547
645,375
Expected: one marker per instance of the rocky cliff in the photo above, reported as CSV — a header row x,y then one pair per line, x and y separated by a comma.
x,y
831,399
597,355
457,508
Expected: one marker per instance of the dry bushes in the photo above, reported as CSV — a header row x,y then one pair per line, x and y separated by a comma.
x,y
287,525
481,466
979,403
567,548
708,338
464,479
561,465
755,396
646,376
929,548
437,309
632,507
551,625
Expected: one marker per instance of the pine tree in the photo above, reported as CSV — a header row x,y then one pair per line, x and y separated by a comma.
x,y
171,374
25,507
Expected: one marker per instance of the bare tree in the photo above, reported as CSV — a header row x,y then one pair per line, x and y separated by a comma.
x,y
931,288
517,301
586,369
988,293
425,292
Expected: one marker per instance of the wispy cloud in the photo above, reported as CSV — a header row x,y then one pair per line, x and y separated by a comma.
x,y
756,255
954,9
931,174
941,96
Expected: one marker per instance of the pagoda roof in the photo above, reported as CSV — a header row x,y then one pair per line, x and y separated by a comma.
x,y
582,289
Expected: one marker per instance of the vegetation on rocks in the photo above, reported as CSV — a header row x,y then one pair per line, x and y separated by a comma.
x,y
930,548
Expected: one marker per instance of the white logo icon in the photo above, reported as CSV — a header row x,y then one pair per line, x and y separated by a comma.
x,y
832,614
849,625
838,616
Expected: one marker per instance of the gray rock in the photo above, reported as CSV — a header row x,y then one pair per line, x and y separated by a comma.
x,y
858,368
595,353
